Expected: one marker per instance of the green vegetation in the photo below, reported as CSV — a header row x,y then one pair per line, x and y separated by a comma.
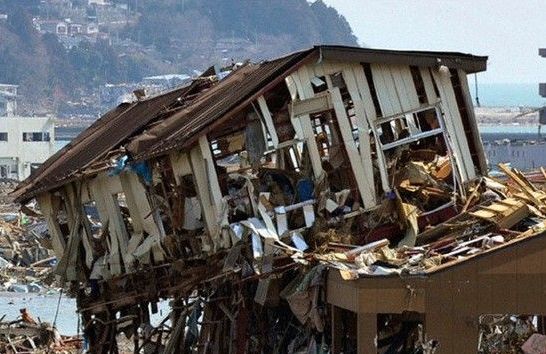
x,y
170,36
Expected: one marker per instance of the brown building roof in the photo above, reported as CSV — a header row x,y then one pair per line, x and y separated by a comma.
x,y
152,128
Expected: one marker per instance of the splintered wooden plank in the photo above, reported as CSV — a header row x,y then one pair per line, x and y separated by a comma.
x,y
138,204
429,86
505,213
363,137
365,188
181,166
405,87
203,181
454,125
371,117
266,114
291,85
364,90
76,205
103,201
57,238
386,90
303,85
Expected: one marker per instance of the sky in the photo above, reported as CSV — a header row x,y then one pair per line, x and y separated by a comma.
x,y
508,31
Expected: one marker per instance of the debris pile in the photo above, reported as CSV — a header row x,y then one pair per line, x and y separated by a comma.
x,y
506,333
27,336
26,257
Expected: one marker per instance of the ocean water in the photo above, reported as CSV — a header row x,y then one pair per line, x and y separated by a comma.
x,y
41,307
503,95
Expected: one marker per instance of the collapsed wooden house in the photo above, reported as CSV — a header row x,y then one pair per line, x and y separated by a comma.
x,y
225,194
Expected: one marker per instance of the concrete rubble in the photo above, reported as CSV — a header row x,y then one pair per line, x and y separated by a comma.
x,y
330,201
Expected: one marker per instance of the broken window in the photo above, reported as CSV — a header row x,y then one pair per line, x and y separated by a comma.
x,y
417,159
411,128
335,161
36,136
278,101
419,85
60,205
121,202
94,228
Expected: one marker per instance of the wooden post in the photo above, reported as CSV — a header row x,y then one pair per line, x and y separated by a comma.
x,y
337,332
366,333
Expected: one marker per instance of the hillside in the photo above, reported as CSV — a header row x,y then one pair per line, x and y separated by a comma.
x,y
124,41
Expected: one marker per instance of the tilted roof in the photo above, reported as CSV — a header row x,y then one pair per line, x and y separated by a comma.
x,y
174,120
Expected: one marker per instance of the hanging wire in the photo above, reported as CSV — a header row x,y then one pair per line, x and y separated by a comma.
x,y
476,88
57,310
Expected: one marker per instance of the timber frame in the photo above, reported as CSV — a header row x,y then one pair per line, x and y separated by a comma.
x,y
160,210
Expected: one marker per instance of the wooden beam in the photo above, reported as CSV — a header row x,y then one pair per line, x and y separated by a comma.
x,y
454,125
320,103
303,85
50,214
363,137
268,120
367,191
208,191
473,122
366,333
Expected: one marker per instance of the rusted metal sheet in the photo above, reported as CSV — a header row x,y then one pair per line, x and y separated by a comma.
x,y
105,134
179,129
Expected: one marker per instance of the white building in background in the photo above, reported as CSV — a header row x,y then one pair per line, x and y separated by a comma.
x,y
25,142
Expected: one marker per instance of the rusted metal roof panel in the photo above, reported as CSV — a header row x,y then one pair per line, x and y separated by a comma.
x,y
179,130
105,134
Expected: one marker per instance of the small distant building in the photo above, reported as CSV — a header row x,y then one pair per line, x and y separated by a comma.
x,y
8,100
98,2
92,28
25,142
62,28
166,81
75,28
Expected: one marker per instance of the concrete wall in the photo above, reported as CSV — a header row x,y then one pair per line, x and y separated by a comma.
x,y
21,153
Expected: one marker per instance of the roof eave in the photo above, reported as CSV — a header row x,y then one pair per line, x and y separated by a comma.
x,y
468,63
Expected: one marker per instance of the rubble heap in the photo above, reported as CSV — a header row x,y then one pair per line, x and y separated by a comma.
x,y
27,336
26,255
